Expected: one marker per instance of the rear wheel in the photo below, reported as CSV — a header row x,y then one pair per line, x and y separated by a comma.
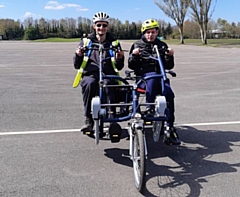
x,y
139,160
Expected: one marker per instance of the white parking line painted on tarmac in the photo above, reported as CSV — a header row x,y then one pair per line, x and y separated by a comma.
x,y
210,123
39,132
77,130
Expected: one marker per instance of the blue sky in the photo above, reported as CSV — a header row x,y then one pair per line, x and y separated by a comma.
x,y
132,10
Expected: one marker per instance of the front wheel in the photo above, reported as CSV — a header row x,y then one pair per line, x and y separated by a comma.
x,y
139,160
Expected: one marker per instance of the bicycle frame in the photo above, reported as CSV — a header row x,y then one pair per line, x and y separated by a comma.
x,y
136,127
98,107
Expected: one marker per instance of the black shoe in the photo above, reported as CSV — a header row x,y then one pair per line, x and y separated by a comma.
x,y
149,112
115,132
102,135
87,129
173,139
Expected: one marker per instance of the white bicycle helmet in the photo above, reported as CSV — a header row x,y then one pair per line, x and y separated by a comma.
x,y
101,16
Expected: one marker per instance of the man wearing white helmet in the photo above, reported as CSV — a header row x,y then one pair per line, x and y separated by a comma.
x,y
143,67
90,76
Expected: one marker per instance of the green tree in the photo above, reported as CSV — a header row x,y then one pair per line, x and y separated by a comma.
x,y
31,33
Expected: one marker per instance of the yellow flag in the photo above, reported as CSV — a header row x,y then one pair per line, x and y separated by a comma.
x,y
77,79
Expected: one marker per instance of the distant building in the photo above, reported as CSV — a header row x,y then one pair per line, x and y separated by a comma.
x,y
161,38
217,33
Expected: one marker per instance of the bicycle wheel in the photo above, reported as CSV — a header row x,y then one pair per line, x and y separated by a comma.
x,y
96,132
139,160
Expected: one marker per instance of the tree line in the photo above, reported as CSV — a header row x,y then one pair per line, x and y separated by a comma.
x,y
42,28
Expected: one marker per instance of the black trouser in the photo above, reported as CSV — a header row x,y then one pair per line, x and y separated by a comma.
x,y
90,89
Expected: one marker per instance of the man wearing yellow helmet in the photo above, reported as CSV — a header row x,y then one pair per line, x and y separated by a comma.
x,y
145,67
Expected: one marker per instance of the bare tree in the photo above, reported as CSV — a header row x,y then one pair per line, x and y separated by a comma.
x,y
191,29
176,10
28,22
201,14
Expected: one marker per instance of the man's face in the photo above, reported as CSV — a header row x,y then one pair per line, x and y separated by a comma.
x,y
101,28
151,34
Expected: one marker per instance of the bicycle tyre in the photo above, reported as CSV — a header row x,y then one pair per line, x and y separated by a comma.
x,y
139,160
96,132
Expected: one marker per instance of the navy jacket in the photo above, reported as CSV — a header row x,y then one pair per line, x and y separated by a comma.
x,y
141,65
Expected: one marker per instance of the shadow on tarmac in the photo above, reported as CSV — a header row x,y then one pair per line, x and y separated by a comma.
x,y
192,159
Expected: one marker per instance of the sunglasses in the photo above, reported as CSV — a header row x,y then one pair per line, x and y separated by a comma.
x,y
103,25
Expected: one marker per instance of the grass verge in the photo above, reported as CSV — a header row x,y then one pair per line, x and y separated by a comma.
x,y
197,42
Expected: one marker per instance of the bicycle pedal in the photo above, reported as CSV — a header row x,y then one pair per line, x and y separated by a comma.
x,y
127,156
148,123
115,131
87,132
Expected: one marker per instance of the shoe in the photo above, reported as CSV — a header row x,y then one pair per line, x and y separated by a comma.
x,y
87,128
149,112
173,138
102,135
115,132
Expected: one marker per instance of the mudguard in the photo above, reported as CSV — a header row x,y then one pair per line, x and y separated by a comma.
x,y
160,105
95,107
160,108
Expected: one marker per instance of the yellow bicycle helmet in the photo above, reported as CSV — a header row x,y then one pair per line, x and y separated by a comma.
x,y
149,24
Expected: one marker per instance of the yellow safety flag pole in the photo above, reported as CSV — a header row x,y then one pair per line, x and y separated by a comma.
x,y
77,78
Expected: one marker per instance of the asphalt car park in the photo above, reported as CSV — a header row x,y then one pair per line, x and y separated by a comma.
x,y
43,152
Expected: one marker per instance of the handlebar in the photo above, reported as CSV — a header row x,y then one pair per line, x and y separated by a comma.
x,y
100,47
128,75
148,53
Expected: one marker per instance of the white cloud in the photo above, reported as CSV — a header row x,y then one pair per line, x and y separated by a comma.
x,y
54,5
29,14
2,6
